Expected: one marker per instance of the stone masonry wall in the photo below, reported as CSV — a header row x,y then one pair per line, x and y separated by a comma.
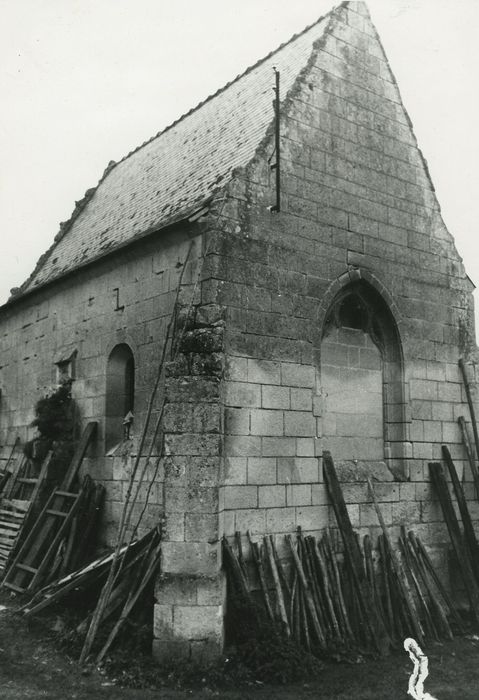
x,y
188,614
357,204
126,299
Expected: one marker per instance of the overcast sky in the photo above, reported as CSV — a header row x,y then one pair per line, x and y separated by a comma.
x,y
83,82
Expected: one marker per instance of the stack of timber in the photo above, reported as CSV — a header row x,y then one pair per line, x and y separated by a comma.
x,y
138,562
313,598
60,537
338,594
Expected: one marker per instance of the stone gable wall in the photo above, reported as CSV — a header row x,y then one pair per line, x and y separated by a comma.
x,y
357,205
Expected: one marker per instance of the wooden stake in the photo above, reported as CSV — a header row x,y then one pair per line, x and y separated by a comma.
x,y
236,570
437,605
424,557
337,585
277,585
354,557
260,570
307,592
402,582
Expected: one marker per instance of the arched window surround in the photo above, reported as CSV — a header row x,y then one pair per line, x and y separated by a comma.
x,y
120,393
378,317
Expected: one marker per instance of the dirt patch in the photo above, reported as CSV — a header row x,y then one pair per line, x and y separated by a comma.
x,y
33,666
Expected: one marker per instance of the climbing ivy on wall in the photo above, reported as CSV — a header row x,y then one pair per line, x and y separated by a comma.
x,y
55,421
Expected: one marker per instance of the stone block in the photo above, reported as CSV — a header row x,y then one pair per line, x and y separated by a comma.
x,y
281,520
368,515
241,497
261,470
312,517
211,591
192,444
408,492
405,513
278,446
299,423
174,528
272,496
198,622
242,394
201,527
298,494
236,369
192,389
305,447
264,372
253,519
356,493
190,558
235,470
296,375
275,396
237,421
170,590
243,446
319,495
163,620
297,470
301,399
266,422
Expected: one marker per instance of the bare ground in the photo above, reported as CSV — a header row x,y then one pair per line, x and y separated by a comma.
x,y
32,666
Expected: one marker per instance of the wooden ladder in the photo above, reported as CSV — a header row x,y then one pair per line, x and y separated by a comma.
x,y
15,514
32,560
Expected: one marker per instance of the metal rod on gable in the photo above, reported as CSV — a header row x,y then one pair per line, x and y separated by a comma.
x,y
276,166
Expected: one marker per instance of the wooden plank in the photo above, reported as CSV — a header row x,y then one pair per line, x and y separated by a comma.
x,y
470,535
11,514
470,402
462,554
354,556
46,560
469,452
87,437
10,525
19,504
12,482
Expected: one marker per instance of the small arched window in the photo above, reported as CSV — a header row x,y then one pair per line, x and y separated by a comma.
x,y
120,393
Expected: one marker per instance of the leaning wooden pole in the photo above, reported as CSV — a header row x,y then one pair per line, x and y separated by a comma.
x,y
469,534
467,387
354,557
469,452
401,579
462,554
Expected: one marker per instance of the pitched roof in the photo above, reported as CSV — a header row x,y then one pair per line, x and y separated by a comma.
x,y
173,174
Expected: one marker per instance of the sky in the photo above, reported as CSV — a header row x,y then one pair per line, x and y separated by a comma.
x,y
83,82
